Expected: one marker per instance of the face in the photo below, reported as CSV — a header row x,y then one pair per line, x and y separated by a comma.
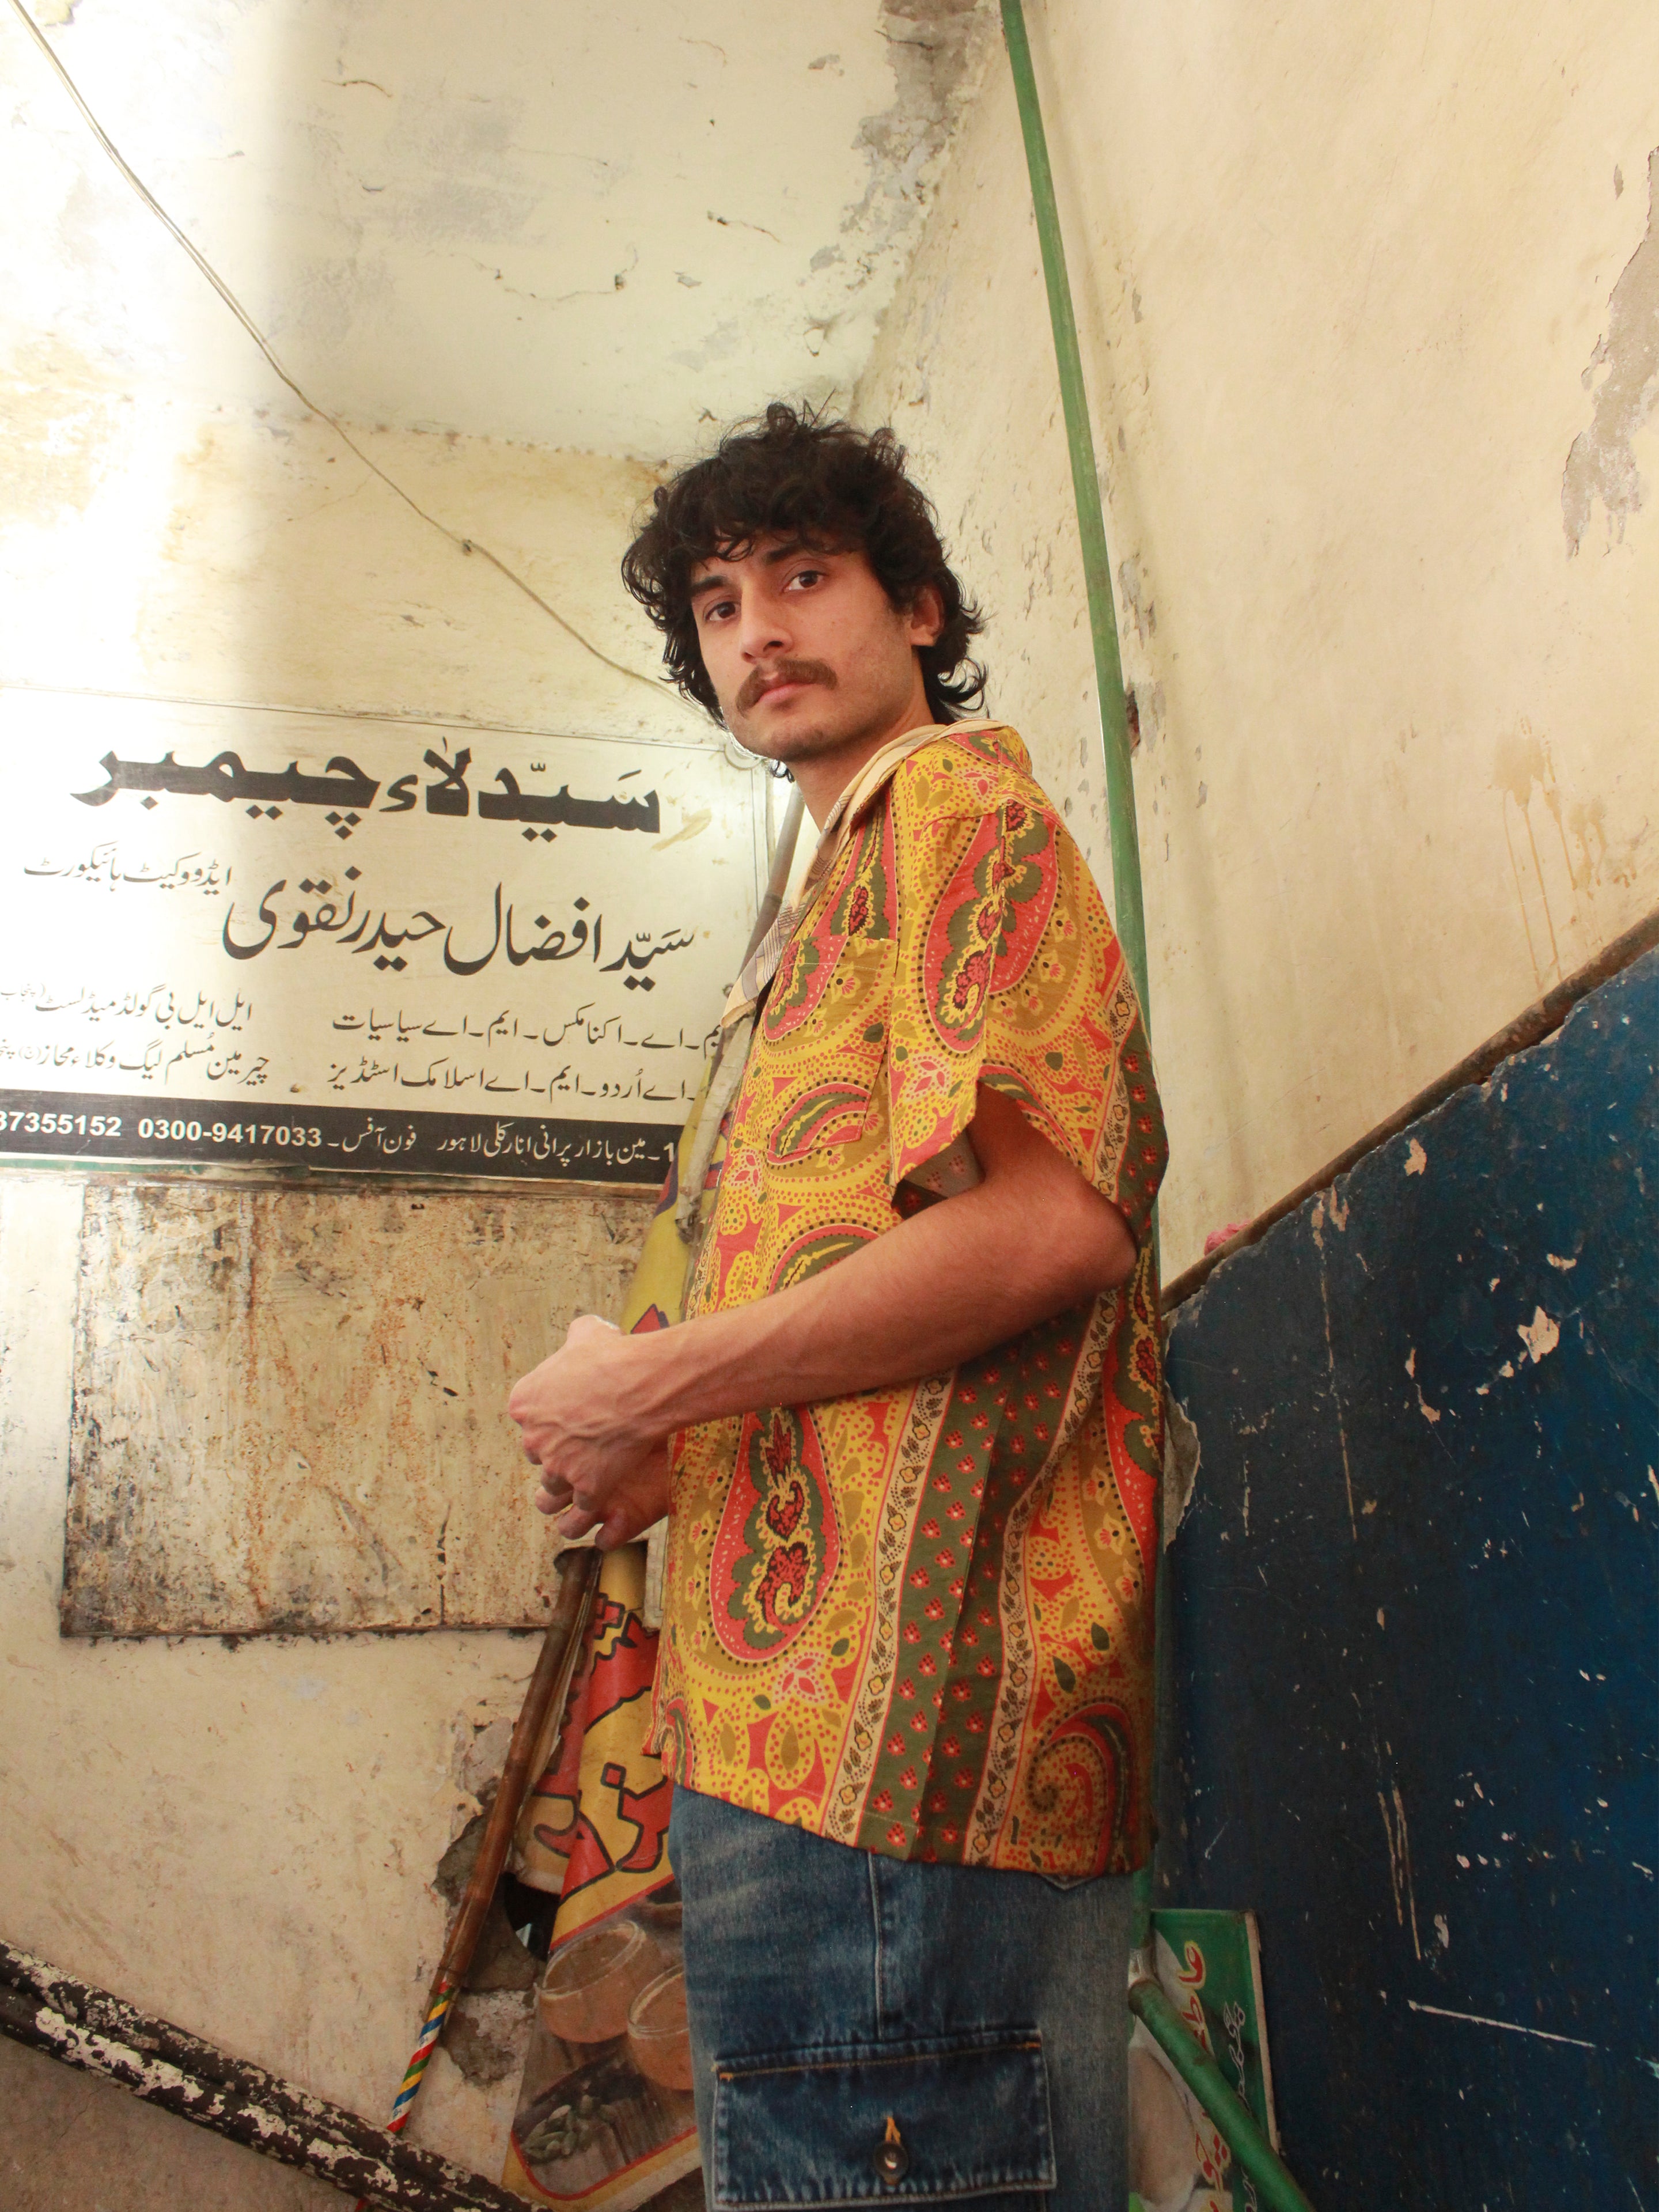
x,y
807,655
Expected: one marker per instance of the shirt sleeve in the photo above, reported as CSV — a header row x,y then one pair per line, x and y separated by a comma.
x,y
1009,973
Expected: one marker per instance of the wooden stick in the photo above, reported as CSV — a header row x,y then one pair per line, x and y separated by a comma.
x,y
578,1577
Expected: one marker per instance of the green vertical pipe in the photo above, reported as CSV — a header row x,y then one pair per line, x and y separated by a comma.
x,y
1131,916
1195,2066
1274,2184
1092,523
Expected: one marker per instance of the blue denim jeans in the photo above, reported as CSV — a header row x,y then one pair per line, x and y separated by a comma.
x,y
866,2029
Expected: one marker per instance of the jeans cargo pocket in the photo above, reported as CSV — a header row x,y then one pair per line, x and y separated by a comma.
x,y
928,2121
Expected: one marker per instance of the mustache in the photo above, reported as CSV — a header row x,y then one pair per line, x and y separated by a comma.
x,y
761,680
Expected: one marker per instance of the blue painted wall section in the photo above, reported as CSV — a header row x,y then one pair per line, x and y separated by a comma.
x,y
1412,1630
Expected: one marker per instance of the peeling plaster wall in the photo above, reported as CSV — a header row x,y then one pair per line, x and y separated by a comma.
x,y
1368,311
240,1840
174,521
244,1839
277,1427
1412,1712
484,247
594,226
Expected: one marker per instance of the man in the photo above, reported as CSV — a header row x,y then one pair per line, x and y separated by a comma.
x,y
908,1436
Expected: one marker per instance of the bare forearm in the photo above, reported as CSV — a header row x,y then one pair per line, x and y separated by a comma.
x,y
1032,1240
939,1289
915,1301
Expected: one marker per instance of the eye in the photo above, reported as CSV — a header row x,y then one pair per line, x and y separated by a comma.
x,y
715,610
807,577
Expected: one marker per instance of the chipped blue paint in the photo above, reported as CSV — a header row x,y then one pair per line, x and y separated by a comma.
x,y
1412,1638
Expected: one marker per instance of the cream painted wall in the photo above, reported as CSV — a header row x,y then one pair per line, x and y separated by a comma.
x,y
243,1839
1341,280
1349,284
590,225
155,544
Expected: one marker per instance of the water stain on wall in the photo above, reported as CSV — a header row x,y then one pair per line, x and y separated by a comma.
x,y
289,1405
1559,855
60,415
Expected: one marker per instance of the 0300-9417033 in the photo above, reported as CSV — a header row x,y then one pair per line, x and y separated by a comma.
x,y
31,1122
233,1132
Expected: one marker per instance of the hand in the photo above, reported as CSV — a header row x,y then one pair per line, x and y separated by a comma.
x,y
587,1422
632,1504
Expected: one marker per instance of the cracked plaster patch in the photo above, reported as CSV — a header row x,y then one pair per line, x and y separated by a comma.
x,y
1540,1335
1601,464
938,50
1181,1458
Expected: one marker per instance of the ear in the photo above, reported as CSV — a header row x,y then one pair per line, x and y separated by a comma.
x,y
926,618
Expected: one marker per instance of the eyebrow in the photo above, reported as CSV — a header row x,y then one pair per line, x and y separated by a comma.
x,y
769,559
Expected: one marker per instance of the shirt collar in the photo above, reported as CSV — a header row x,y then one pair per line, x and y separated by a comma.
x,y
850,806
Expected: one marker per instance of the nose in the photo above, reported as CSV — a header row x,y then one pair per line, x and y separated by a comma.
x,y
762,630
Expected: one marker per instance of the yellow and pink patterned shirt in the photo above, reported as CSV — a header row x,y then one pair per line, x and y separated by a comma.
x,y
917,1619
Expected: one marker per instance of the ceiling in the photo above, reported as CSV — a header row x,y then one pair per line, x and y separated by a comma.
x,y
588,226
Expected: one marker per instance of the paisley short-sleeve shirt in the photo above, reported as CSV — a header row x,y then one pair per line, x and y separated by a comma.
x,y
917,1619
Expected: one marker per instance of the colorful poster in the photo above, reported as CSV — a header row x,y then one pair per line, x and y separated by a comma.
x,y
604,2120
1209,1965
237,933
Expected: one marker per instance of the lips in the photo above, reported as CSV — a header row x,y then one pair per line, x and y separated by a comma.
x,y
781,684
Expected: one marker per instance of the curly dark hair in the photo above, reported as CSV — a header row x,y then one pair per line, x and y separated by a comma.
x,y
792,472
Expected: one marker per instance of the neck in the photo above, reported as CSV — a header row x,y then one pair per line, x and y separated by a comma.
x,y
822,777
